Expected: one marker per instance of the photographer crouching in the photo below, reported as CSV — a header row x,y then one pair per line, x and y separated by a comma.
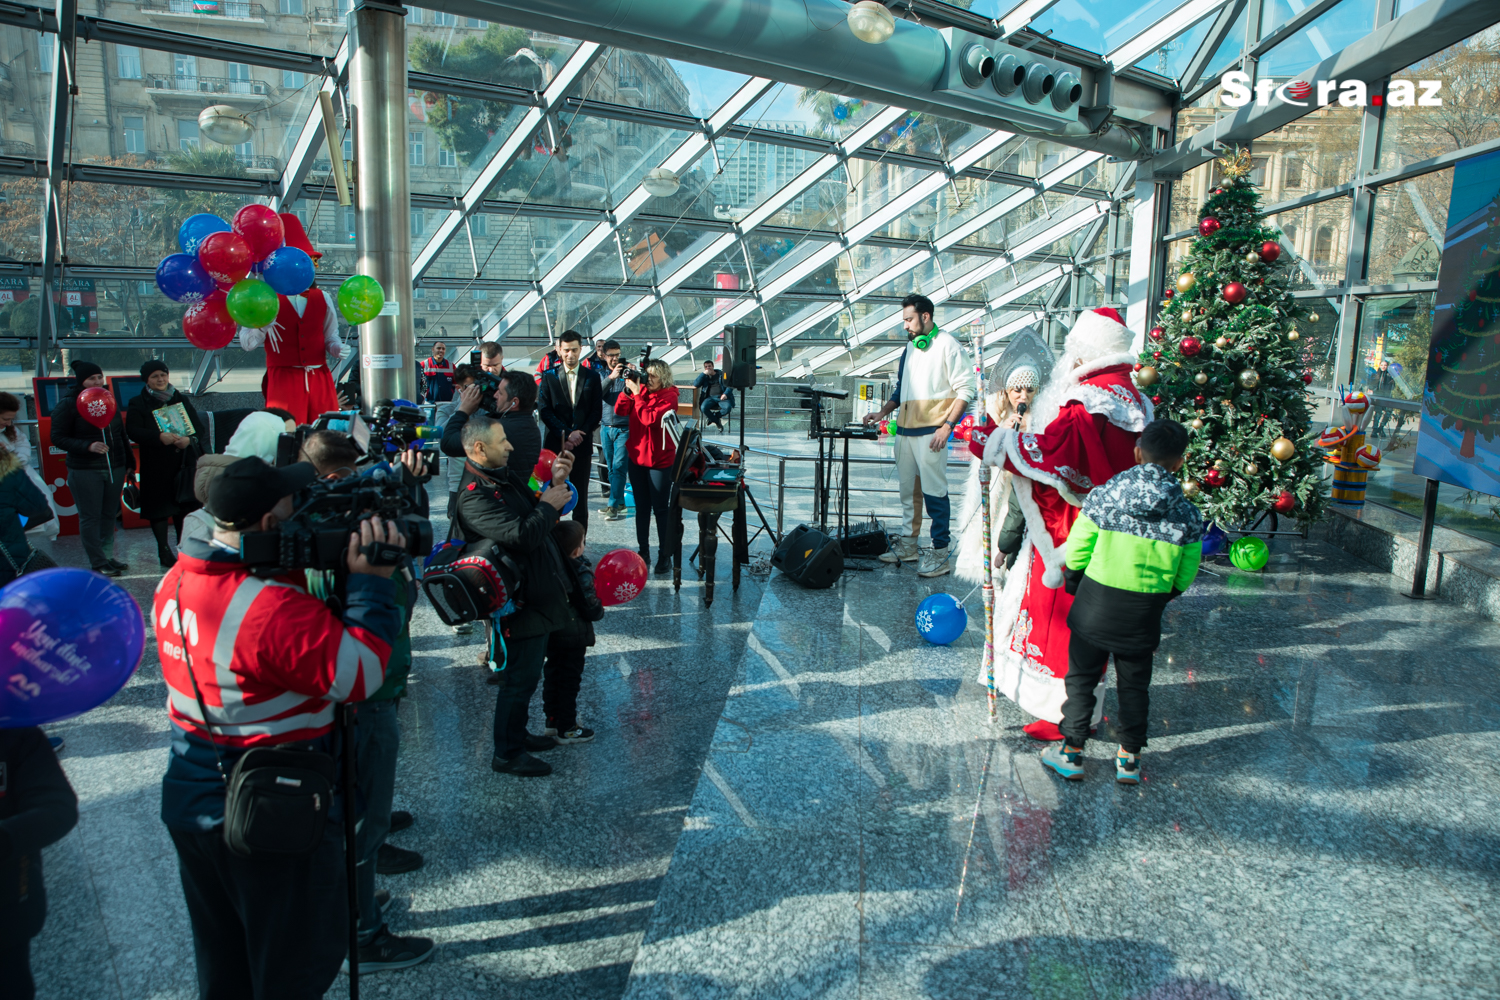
x,y
494,502
253,662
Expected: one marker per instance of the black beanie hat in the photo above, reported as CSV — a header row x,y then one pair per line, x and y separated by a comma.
x,y
152,366
84,369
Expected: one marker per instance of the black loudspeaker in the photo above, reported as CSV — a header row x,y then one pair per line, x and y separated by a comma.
x,y
864,544
739,356
809,557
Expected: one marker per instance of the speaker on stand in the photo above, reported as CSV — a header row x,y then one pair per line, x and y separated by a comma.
x,y
739,362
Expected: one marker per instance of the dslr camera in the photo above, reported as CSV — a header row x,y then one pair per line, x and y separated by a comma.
x,y
637,372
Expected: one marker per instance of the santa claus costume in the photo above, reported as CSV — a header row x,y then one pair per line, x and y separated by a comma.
x,y
1084,429
298,344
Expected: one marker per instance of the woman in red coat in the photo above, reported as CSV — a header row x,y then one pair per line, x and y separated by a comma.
x,y
651,452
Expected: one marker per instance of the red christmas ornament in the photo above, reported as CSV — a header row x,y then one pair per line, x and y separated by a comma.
x,y
1307,378
1269,251
1218,190
1157,333
1171,292
1473,294
1213,477
1190,346
1285,503
1155,400
1138,366
1234,293
1156,355
1208,226
1200,401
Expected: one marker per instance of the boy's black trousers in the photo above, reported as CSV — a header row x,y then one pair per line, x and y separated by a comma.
x,y
1086,663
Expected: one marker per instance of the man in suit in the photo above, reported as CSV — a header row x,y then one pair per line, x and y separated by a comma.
x,y
570,401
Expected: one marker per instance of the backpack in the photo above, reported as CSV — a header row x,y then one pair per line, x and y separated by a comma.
x,y
470,582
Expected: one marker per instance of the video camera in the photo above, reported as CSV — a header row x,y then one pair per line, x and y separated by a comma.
x,y
637,371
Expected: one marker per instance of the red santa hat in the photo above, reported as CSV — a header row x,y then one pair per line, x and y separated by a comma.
x,y
1097,335
293,235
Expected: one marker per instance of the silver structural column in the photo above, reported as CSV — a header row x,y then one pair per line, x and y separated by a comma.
x,y
382,199
52,235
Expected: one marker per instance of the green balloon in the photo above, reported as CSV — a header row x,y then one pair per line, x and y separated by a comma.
x,y
1249,554
360,299
252,302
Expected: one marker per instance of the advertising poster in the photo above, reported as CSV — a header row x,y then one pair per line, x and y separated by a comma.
x,y
1461,403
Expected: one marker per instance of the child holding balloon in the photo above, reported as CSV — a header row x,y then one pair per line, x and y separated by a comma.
x,y
567,647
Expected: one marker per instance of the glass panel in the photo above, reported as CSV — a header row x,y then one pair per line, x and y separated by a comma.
x,y
599,162
707,88
1188,196
1402,6
1227,52
1319,237
754,171
1320,339
289,25
1347,22
1171,58
1101,25
1469,72
821,114
1407,241
1394,334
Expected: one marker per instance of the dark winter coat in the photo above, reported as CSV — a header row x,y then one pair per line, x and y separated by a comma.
x,y
19,498
584,606
520,430
495,504
37,808
73,435
1135,546
160,463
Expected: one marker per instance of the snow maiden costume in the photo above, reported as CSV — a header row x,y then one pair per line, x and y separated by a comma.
x,y
1090,415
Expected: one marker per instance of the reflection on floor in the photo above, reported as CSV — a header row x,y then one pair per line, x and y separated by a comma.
x,y
793,796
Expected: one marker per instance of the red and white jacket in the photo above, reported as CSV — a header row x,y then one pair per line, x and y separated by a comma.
x,y
270,659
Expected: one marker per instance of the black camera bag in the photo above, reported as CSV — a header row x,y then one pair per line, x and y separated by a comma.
x,y
471,582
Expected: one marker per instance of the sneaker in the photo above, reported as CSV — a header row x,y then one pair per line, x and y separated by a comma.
x,y
393,860
383,900
522,765
1065,760
465,628
56,743
905,551
401,820
614,513
577,734
536,744
108,570
935,562
387,952
1127,767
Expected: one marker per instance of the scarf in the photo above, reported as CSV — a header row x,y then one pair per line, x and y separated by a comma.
x,y
165,396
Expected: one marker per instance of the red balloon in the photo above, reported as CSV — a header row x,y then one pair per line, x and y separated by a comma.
x,y
543,468
1269,251
97,406
207,325
619,576
260,228
1234,293
1285,503
225,256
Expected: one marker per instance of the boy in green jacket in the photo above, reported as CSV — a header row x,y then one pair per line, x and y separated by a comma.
x,y
1135,546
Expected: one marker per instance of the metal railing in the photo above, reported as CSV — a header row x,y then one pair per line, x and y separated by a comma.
x,y
209,85
234,9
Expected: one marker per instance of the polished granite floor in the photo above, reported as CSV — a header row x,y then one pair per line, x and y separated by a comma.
x,y
792,795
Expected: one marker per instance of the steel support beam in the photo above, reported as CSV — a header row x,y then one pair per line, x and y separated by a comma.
x,y
53,234
377,89
1388,49
1180,19
1211,43
311,138
98,29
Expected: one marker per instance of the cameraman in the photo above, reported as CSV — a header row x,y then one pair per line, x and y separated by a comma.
x,y
513,404
271,660
377,741
496,503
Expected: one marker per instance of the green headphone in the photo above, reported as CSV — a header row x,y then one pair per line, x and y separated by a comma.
x,y
922,341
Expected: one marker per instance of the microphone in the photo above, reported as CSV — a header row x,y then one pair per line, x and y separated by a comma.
x,y
1021,409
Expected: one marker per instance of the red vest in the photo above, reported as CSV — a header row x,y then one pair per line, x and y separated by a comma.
x,y
298,340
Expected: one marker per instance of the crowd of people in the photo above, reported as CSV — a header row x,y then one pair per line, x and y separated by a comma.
x,y
1094,538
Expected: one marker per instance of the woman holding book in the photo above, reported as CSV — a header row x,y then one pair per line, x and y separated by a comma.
x,y
164,424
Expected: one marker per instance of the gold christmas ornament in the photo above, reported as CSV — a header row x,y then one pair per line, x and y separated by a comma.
x,y
1312,317
1189,488
1228,404
1252,257
1236,163
1251,469
1249,378
1283,449
1201,378
1223,343
1186,281
1146,376
1197,424
1293,335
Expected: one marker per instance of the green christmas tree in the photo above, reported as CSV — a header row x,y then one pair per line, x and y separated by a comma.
x,y
1226,360
1464,370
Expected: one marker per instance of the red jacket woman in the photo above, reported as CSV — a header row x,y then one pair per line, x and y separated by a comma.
x,y
651,452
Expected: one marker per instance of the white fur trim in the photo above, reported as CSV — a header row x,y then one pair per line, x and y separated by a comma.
x,y
1098,365
1125,408
1053,577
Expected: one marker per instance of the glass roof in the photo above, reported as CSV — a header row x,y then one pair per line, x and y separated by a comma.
x,y
533,209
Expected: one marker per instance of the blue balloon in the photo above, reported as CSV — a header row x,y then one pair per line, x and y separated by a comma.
x,y
195,227
288,270
572,501
71,639
182,279
1214,540
941,618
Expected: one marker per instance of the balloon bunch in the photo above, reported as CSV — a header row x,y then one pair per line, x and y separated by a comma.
x,y
230,274
541,475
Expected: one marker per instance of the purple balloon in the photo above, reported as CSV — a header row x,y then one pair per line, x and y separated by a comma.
x,y
70,639
182,279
